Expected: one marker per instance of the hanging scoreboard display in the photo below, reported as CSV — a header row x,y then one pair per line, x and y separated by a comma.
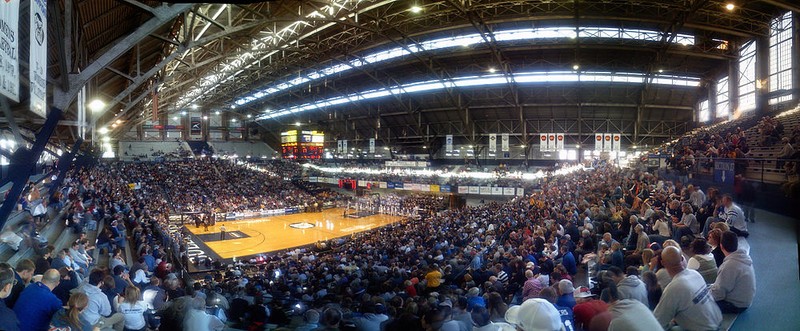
x,y
302,144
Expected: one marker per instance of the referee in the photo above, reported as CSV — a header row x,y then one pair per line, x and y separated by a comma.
x,y
222,232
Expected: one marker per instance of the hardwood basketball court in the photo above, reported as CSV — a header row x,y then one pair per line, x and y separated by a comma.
x,y
274,233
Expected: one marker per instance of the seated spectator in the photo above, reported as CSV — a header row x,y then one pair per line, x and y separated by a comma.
x,y
310,321
654,291
69,319
8,319
99,308
534,315
37,304
198,320
586,308
685,301
629,285
23,274
132,308
69,282
533,285
735,285
702,260
565,294
628,314
714,238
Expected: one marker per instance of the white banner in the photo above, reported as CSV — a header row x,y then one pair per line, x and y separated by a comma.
x,y
38,54
551,141
559,141
344,147
616,141
372,145
9,49
504,142
448,143
542,142
339,146
492,142
598,141
606,141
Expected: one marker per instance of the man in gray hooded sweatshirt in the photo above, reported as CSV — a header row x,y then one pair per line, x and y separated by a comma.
x,y
735,286
629,286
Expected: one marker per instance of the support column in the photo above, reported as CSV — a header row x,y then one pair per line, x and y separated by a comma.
x,y
762,75
733,88
712,101
23,164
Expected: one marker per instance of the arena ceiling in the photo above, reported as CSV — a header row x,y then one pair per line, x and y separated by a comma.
x,y
405,72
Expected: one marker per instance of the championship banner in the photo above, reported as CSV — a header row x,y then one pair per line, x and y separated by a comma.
x,y
372,145
9,49
542,142
560,141
616,142
598,141
448,143
38,57
504,142
551,141
606,141
344,146
195,126
492,142
339,146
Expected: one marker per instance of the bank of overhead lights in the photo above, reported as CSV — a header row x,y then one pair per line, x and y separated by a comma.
x,y
195,106
485,81
415,9
216,112
205,117
102,130
730,6
183,113
575,67
249,115
466,40
492,69
298,123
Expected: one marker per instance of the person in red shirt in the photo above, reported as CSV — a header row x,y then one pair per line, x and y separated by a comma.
x,y
586,307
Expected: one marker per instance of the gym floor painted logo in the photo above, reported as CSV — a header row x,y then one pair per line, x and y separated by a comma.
x,y
209,237
301,225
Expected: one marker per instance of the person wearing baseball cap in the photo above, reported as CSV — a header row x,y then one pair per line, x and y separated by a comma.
x,y
587,307
535,315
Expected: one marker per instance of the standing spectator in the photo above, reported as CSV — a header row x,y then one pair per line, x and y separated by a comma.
x,y
8,319
568,260
735,285
686,301
37,304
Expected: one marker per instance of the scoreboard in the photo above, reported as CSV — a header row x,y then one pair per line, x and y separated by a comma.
x,y
302,144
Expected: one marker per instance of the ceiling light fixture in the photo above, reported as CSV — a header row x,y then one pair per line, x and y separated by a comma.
x,y
730,6
97,105
575,67
415,9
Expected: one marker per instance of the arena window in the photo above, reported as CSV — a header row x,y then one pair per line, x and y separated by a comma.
x,y
747,77
780,57
723,101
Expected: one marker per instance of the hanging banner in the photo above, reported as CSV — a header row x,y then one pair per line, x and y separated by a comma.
x,y
606,141
344,146
492,142
372,145
616,141
195,126
9,49
542,142
598,141
560,141
551,141
504,142
448,143
38,57
339,146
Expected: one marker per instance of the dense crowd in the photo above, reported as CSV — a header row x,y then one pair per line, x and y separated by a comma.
x,y
488,267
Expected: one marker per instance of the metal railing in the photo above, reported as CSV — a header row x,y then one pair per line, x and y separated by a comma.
x,y
706,165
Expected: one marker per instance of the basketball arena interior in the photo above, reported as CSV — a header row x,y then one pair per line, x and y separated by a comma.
x,y
399,165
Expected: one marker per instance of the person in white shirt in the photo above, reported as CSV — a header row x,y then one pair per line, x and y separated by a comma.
x,y
131,308
661,226
197,319
686,300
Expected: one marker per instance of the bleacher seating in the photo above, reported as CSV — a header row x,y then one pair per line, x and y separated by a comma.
x,y
151,150
242,149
